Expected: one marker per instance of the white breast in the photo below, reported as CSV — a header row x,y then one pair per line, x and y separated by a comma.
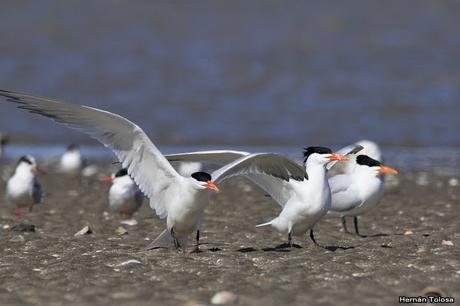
x,y
22,189
71,162
124,195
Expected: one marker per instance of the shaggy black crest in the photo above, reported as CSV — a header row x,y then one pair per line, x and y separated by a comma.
x,y
201,176
25,159
320,150
367,161
72,147
121,172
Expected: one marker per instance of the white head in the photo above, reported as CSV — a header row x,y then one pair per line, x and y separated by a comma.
x,y
73,148
27,163
120,175
365,164
202,180
370,149
321,155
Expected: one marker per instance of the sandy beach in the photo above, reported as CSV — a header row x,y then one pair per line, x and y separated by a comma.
x,y
403,254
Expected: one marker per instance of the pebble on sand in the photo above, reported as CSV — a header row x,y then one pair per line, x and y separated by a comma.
x,y
129,262
407,233
130,222
121,231
432,291
447,242
18,238
84,231
224,298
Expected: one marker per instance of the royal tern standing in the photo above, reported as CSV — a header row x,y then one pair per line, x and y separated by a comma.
x,y
124,196
71,161
360,190
181,200
303,202
23,188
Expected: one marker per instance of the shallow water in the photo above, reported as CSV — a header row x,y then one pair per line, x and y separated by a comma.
x,y
235,73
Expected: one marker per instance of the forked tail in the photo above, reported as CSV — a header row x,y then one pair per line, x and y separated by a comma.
x,y
266,224
163,240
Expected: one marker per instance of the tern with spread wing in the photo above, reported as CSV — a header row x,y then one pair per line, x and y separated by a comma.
x,y
181,200
360,190
303,202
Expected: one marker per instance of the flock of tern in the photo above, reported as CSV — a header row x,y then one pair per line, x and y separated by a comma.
x,y
348,182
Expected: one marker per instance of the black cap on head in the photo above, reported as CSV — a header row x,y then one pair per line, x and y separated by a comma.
x,y
25,159
121,172
201,176
320,150
72,147
367,161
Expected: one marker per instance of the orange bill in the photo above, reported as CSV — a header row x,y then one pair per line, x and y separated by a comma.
x,y
39,170
337,156
107,179
387,170
212,186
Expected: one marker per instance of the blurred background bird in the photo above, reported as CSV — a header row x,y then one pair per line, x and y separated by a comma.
x,y
23,188
124,196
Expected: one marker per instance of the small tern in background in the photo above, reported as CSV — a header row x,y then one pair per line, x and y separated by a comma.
x,y
23,188
125,198
71,161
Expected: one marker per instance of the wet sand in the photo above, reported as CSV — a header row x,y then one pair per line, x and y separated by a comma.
x,y
52,267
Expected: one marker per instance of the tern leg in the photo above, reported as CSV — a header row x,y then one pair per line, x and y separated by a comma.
x,y
312,237
344,224
197,246
176,242
355,219
290,239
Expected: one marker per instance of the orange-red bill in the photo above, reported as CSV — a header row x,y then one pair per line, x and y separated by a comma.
x,y
107,179
211,185
39,170
387,170
337,156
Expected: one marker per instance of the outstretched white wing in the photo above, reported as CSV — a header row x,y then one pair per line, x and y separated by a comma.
x,y
220,156
261,163
269,171
146,165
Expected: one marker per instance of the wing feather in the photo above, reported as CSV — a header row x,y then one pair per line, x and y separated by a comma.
x,y
262,163
221,156
146,165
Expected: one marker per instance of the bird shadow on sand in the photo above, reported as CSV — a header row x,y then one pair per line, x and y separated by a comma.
x,y
374,235
284,247
333,248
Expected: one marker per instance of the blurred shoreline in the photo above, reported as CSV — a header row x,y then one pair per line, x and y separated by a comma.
x,y
442,160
